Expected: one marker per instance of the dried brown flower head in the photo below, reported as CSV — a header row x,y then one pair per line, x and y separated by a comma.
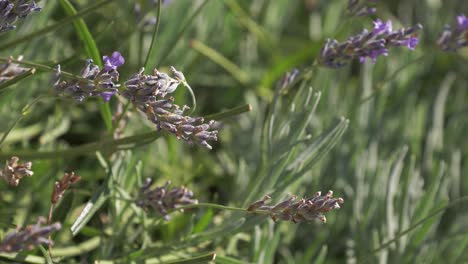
x,y
61,186
15,171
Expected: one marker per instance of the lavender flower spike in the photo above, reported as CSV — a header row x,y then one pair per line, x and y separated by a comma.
x,y
303,210
30,237
367,45
11,10
94,81
151,95
454,39
162,199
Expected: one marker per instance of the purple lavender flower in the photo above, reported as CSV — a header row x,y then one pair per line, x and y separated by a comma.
x,y
149,93
367,44
454,39
162,199
11,10
93,82
29,237
114,61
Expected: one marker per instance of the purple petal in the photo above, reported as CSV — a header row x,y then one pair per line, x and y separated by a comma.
x,y
412,43
111,63
381,27
462,22
106,96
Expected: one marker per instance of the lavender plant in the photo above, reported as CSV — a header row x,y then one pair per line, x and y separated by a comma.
x,y
387,137
368,45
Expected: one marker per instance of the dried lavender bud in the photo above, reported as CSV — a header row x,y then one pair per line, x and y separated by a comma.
x,y
258,204
361,8
11,70
149,93
162,199
287,79
11,10
14,171
29,237
299,211
367,44
454,39
94,81
61,186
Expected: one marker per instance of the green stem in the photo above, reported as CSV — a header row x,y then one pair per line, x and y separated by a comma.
x,y
79,249
210,205
153,40
59,24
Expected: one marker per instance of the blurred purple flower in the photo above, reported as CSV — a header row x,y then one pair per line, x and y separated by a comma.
x,y
11,10
367,44
30,237
456,38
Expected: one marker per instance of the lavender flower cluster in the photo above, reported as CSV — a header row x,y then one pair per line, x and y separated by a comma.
x,y
302,210
162,199
149,93
456,38
30,237
14,171
367,44
11,10
94,81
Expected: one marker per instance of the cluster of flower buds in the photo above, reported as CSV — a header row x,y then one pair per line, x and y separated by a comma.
x,y
29,237
368,44
93,81
302,210
454,39
64,184
162,199
15,171
11,70
150,94
361,8
11,10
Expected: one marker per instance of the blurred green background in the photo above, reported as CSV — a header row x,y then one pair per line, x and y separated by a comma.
x,y
390,137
